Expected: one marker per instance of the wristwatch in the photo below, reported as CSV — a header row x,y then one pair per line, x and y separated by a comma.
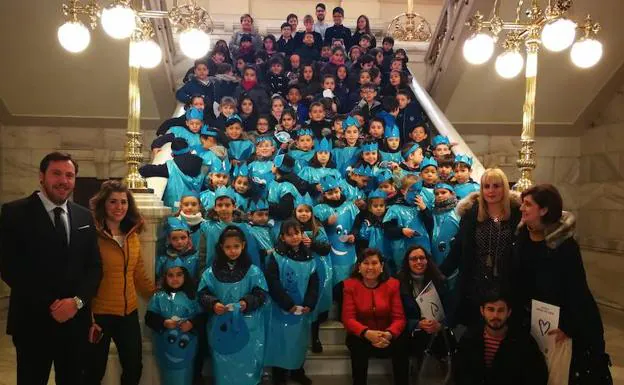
x,y
79,303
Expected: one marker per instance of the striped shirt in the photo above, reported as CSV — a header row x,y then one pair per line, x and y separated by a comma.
x,y
491,347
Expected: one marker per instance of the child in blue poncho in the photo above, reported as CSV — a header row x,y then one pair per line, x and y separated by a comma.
x,y
233,291
174,316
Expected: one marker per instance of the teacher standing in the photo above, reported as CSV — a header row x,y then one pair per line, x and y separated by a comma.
x,y
482,249
50,260
115,313
552,271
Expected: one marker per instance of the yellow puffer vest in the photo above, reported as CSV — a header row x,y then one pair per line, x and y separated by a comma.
x,y
123,273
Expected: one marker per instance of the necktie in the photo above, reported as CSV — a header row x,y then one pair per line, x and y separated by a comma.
x,y
59,225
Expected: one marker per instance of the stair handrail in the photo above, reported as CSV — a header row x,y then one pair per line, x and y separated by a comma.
x,y
450,24
445,127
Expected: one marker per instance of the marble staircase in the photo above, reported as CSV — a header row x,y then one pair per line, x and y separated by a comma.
x,y
334,361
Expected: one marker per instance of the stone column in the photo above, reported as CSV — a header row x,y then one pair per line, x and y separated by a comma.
x,y
153,212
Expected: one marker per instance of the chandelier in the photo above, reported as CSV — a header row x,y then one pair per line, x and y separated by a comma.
x,y
551,28
121,20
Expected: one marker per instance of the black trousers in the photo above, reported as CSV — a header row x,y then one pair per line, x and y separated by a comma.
x,y
61,344
361,350
126,333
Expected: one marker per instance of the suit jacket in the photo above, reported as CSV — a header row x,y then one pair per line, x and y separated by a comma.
x,y
39,268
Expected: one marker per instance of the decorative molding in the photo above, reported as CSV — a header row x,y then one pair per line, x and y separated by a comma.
x,y
9,119
514,129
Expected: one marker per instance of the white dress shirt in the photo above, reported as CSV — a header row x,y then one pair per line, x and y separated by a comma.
x,y
320,27
50,206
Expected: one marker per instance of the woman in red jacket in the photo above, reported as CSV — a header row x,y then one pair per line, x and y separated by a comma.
x,y
373,315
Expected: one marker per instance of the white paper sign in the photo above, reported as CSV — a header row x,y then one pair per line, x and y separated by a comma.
x,y
544,318
430,304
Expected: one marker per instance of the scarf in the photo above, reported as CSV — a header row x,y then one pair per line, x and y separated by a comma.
x,y
193,219
248,84
418,283
445,205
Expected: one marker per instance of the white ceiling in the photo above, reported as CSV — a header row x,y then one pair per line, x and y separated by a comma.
x,y
563,91
39,78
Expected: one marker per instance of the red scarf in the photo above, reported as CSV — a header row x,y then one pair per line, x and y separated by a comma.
x,y
248,84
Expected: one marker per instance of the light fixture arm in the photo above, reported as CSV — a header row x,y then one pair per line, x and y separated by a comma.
x,y
75,8
529,30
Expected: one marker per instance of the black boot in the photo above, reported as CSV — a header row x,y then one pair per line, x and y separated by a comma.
x,y
279,376
300,377
317,347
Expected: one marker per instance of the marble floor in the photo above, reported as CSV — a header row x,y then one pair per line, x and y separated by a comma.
x,y
614,335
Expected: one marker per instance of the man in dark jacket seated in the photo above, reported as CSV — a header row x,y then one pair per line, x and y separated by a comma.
x,y
499,353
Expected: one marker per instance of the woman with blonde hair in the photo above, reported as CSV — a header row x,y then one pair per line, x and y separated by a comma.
x,y
482,248
115,315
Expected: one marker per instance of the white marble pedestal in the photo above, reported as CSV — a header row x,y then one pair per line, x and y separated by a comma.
x,y
153,212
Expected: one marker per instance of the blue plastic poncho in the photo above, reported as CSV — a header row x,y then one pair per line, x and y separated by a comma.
x,y
175,350
342,253
237,339
289,334
325,273
211,230
178,183
345,157
462,190
182,132
406,216
189,262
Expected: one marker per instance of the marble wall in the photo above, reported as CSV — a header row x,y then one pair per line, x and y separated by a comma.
x,y
601,180
98,151
558,160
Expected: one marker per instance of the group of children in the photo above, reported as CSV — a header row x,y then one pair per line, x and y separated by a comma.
x,y
271,211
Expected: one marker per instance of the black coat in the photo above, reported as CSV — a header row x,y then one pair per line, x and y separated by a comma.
x,y
308,54
286,47
258,94
355,39
318,40
553,272
189,164
518,360
39,269
338,32
463,256
408,118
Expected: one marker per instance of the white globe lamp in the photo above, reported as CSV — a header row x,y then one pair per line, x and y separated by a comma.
x,y
148,53
586,52
559,34
119,21
194,43
509,64
74,36
478,48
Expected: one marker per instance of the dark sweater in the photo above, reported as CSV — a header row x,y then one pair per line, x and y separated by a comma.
x,y
518,360
338,32
189,164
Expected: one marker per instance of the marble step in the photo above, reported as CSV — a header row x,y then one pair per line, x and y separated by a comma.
x,y
332,333
335,360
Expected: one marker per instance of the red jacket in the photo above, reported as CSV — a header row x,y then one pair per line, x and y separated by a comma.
x,y
377,309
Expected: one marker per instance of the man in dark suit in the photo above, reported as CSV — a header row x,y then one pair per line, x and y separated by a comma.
x,y
49,257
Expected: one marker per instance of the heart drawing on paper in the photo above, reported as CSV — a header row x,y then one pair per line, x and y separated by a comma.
x,y
434,309
544,326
